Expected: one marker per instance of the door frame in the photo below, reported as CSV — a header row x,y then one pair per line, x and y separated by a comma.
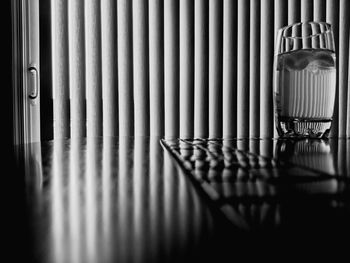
x,y
26,71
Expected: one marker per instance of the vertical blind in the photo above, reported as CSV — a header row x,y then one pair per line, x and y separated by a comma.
x,y
179,68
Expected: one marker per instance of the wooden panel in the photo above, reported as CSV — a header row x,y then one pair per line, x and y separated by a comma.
x,y
186,68
171,68
229,69
215,68
109,67
125,73
201,69
140,57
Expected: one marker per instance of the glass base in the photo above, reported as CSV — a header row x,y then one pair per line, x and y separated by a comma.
x,y
289,127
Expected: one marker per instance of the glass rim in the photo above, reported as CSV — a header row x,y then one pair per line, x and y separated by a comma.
x,y
329,30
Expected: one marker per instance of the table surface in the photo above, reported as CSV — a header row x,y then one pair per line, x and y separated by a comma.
x,y
133,199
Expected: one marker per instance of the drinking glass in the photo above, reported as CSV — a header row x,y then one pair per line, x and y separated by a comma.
x,y
304,80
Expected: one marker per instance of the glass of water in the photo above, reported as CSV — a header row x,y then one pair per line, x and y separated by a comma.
x,y
304,80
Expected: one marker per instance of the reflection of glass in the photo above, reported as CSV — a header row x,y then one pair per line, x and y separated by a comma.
x,y
312,154
304,80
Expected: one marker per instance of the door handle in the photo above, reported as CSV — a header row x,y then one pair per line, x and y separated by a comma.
x,y
33,83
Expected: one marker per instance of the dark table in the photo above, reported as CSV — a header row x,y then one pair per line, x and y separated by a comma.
x,y
135,200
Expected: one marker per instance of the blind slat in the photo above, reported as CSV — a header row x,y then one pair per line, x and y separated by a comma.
x,y
344,10
109,67
281,15
156,91
348,157
201,69
141,92
229,68
60,63
266,64
332,17
215,68
341,157
125,73
171,68
293,11
306,10
186,68
76,68
254,73
243,69
306,15
93,68
319,10
348,105
281,20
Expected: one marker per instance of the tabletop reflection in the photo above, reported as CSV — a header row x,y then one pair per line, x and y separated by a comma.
x,y
317,154
107,200
256,183
130,199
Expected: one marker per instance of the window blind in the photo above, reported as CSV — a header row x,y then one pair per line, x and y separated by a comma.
x,y
343,57
186,68
109,67
125,67
201,68
243,68
229,69
140,63
332,12
93,68
215,69
60,68
254,68
171,68
77,68
178,68
156,67
266,71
